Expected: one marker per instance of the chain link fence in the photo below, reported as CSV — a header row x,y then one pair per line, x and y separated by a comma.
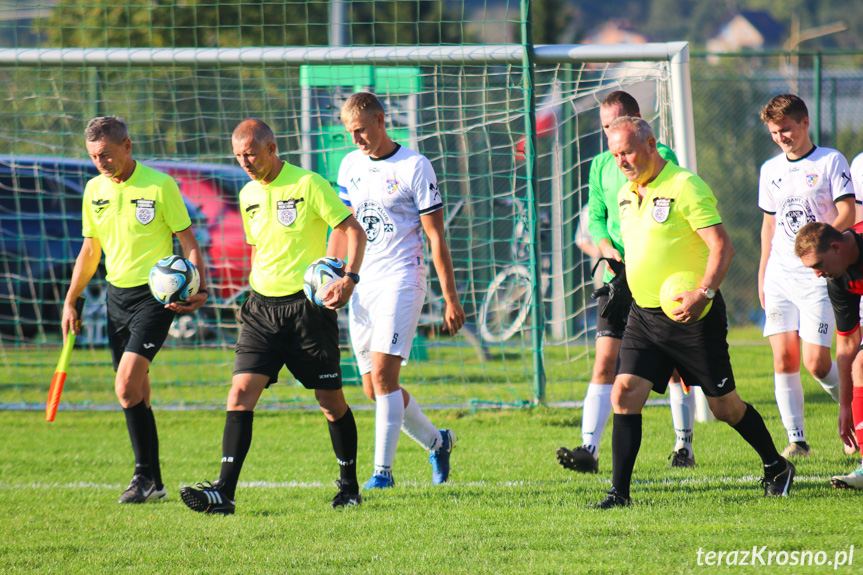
x,y
728,92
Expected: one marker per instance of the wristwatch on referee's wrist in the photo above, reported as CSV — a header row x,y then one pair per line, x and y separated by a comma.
x,y
709,293
354,277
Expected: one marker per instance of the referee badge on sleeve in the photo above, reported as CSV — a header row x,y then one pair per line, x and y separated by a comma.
x,y
661,209
286,211
145,210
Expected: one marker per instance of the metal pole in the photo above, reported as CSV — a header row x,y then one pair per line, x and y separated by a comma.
x,y
558,293
537,313
816,123
681,109
337,23
378,55
571,206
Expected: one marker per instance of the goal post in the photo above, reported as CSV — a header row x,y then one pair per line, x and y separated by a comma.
x,y
511,157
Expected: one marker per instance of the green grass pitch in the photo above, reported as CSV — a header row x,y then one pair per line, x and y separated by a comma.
x,y
509,508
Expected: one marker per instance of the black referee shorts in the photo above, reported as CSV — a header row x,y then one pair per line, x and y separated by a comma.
x,y
136,322
654,345
290,331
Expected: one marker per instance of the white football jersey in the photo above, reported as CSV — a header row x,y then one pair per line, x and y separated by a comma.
x,y
798,192
857,177
388,196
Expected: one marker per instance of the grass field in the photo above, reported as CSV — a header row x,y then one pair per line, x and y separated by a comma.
x,y
509,508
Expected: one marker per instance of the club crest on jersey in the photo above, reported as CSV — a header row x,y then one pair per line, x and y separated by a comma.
x,y
145,211
286,211
378,225
661,209
811,180
795,213
392,186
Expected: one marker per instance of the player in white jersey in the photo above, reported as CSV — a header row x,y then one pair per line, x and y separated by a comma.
x,y
803,184
394,194
857,182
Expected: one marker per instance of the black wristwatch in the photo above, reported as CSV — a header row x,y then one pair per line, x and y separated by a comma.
x,y
353,276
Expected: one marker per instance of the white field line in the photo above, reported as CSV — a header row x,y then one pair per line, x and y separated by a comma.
x,y
695,481
362,406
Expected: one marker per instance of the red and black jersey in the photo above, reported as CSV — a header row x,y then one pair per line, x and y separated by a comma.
x,y
845,291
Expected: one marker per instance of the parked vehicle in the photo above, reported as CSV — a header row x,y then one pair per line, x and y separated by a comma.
x,y
40,237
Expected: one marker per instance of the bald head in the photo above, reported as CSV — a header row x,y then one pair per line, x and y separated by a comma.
x,y
254,147
255,129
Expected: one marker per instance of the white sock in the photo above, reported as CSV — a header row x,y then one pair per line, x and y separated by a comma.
x,y
830,382
682,415
417,426
789,399
594,417
389,413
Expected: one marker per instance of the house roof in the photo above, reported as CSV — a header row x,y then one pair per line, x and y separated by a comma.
x,y
771,30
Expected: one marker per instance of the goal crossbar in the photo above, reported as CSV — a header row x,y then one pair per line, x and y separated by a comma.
x,y
675,53
413,55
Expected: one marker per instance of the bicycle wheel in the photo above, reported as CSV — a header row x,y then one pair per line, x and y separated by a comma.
x,y
506,304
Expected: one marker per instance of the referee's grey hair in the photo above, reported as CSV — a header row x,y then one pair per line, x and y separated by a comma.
x,y
111,127
642,129
260,132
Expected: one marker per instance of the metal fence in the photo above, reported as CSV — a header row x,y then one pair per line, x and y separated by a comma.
x,y
728,92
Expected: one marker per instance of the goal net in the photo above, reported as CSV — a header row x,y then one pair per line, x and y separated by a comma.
x,y
513,236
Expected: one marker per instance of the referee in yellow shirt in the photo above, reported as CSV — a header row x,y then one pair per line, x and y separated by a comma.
x,y
669,223
130,212
286,213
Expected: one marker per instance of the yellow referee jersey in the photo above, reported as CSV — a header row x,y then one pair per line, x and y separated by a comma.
x,y
134,221
659,230
287,220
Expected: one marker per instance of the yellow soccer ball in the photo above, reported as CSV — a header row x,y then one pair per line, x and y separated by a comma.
x,y
675,284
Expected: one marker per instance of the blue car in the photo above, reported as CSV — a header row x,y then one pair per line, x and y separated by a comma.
x,y
40,237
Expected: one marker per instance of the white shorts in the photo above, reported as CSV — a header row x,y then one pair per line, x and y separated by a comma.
x,y
384,319
801,306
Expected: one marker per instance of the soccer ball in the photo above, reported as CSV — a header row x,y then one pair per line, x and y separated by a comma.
x,y
174,279
319,275
675,284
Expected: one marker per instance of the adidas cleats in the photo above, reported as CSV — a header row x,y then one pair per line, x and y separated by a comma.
x,y
140,490
380,481
440,459
579,459
207,499
346,497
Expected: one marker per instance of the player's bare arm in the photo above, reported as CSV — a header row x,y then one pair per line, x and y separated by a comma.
x,y
192,252
847,213
608,250
768,226
692,303
86,265
432,223
341,290
337,244
848,362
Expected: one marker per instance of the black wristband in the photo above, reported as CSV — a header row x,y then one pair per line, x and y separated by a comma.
x,y
203,291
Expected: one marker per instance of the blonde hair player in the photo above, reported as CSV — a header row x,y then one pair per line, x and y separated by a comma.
x,y
805,183
394,194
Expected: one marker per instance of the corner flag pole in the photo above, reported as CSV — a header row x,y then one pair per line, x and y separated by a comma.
x,y
59,378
